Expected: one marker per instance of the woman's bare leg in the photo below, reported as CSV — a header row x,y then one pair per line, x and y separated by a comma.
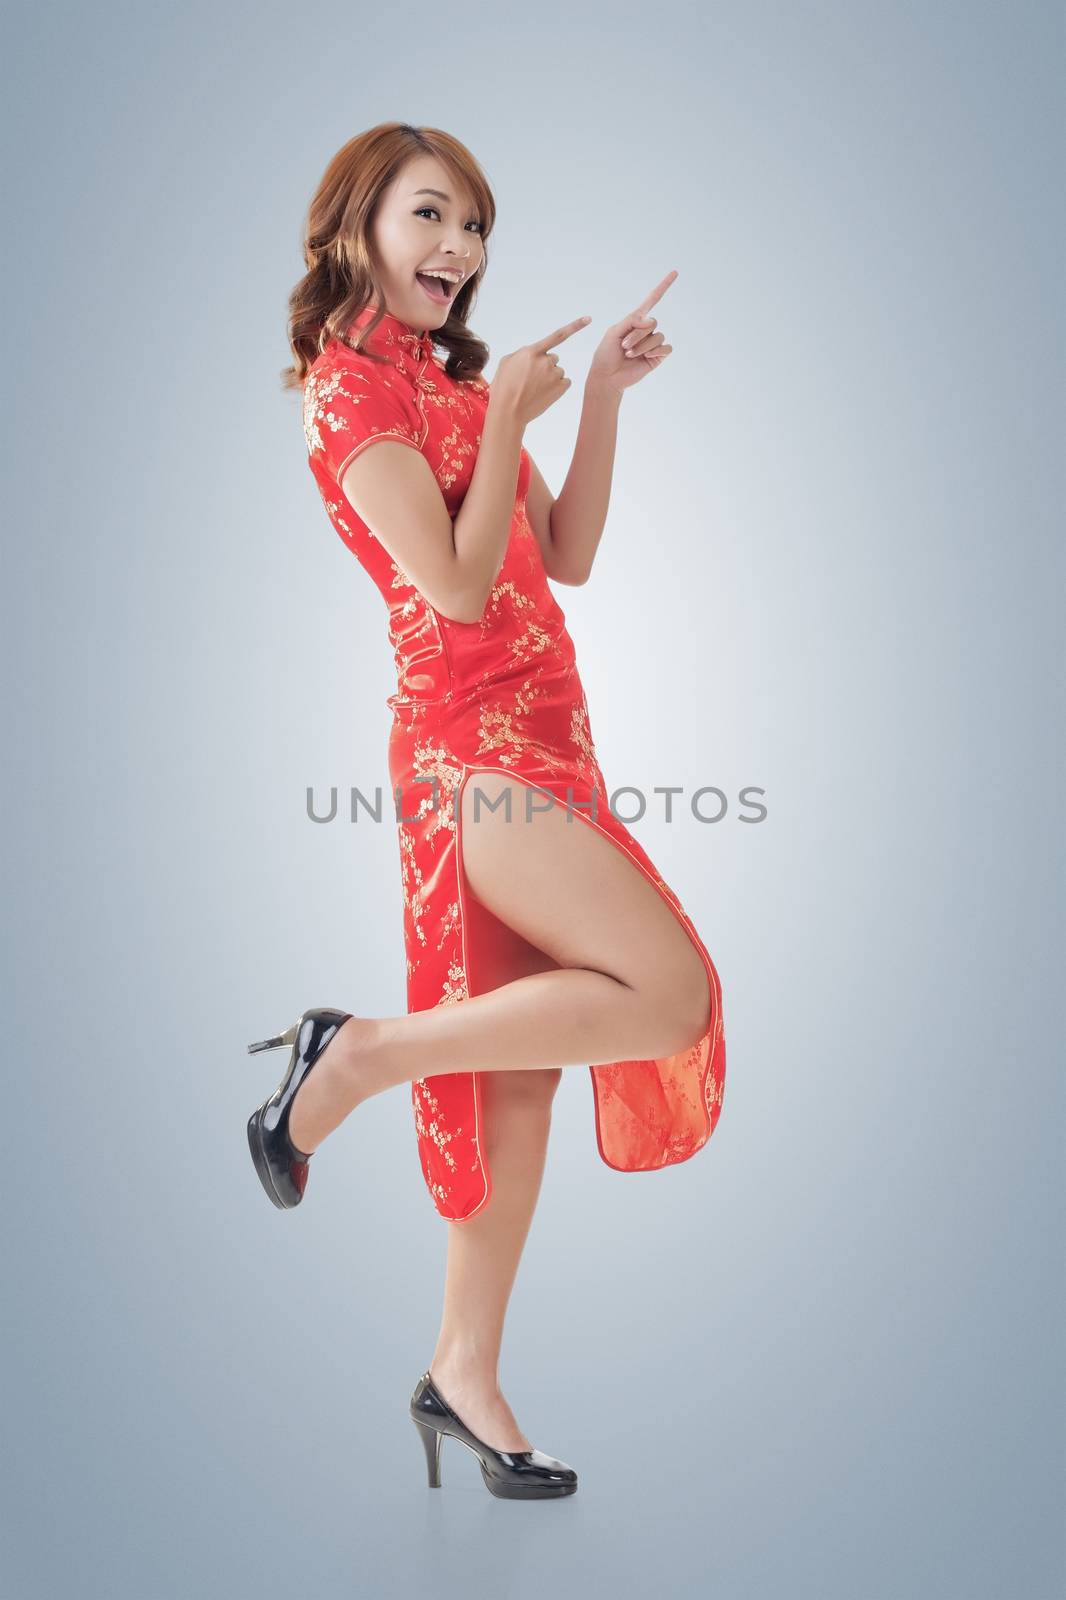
x,y
484,1252
629,985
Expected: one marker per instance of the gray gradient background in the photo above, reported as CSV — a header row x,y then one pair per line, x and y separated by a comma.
x,y
822,1358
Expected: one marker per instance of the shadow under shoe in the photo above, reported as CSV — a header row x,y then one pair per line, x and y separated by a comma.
x,y
509,1474
281,1167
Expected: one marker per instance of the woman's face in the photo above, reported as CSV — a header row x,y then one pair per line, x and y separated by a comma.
x,y
425,220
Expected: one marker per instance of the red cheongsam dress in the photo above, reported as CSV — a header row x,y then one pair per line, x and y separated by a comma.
x,y
498,695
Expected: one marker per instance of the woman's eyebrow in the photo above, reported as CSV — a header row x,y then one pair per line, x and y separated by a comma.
x,y
438,192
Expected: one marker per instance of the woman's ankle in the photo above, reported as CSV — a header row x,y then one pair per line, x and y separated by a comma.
x,y
330,1092
465,1375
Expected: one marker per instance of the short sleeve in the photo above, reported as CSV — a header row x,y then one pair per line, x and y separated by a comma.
x,y
345,409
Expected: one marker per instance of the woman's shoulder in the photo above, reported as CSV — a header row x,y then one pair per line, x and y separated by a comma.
x,y
340,369
335,356
348,399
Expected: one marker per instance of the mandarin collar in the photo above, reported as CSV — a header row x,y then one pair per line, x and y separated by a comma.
x,y
393,338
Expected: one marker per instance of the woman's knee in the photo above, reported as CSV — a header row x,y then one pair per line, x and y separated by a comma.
x,y
682,997
527,1091
520,1096
699,1005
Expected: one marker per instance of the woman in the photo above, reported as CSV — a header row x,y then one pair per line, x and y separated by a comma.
x,y
532,941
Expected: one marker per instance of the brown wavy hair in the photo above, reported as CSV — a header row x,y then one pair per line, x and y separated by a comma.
x,y
340,279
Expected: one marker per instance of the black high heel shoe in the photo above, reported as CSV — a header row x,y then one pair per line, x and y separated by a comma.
x,y
281,1167
509,1474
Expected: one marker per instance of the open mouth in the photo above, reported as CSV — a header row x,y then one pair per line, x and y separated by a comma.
x,y
439,290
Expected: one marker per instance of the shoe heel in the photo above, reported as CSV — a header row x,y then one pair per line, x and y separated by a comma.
x,y
431,1439
288,1037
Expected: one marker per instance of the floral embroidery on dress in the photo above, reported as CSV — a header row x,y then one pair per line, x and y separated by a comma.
x,y
435,763
504,734
429,1124
322,409
412,888
450,924
581,733
454,985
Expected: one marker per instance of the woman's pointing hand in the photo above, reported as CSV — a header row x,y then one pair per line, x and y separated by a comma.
x,y
632,348
531,379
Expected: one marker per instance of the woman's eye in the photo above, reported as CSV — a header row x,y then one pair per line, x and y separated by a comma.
x,y
436,213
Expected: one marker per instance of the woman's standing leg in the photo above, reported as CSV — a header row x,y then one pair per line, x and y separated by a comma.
x,y
484,1252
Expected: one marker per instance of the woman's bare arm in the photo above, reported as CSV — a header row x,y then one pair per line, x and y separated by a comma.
x,y
454,564
577,516
540,503
483,525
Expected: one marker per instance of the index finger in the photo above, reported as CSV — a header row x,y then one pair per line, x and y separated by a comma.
x,y
544,345
656,294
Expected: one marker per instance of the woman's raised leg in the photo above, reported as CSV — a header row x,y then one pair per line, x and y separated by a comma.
x,y
628,984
